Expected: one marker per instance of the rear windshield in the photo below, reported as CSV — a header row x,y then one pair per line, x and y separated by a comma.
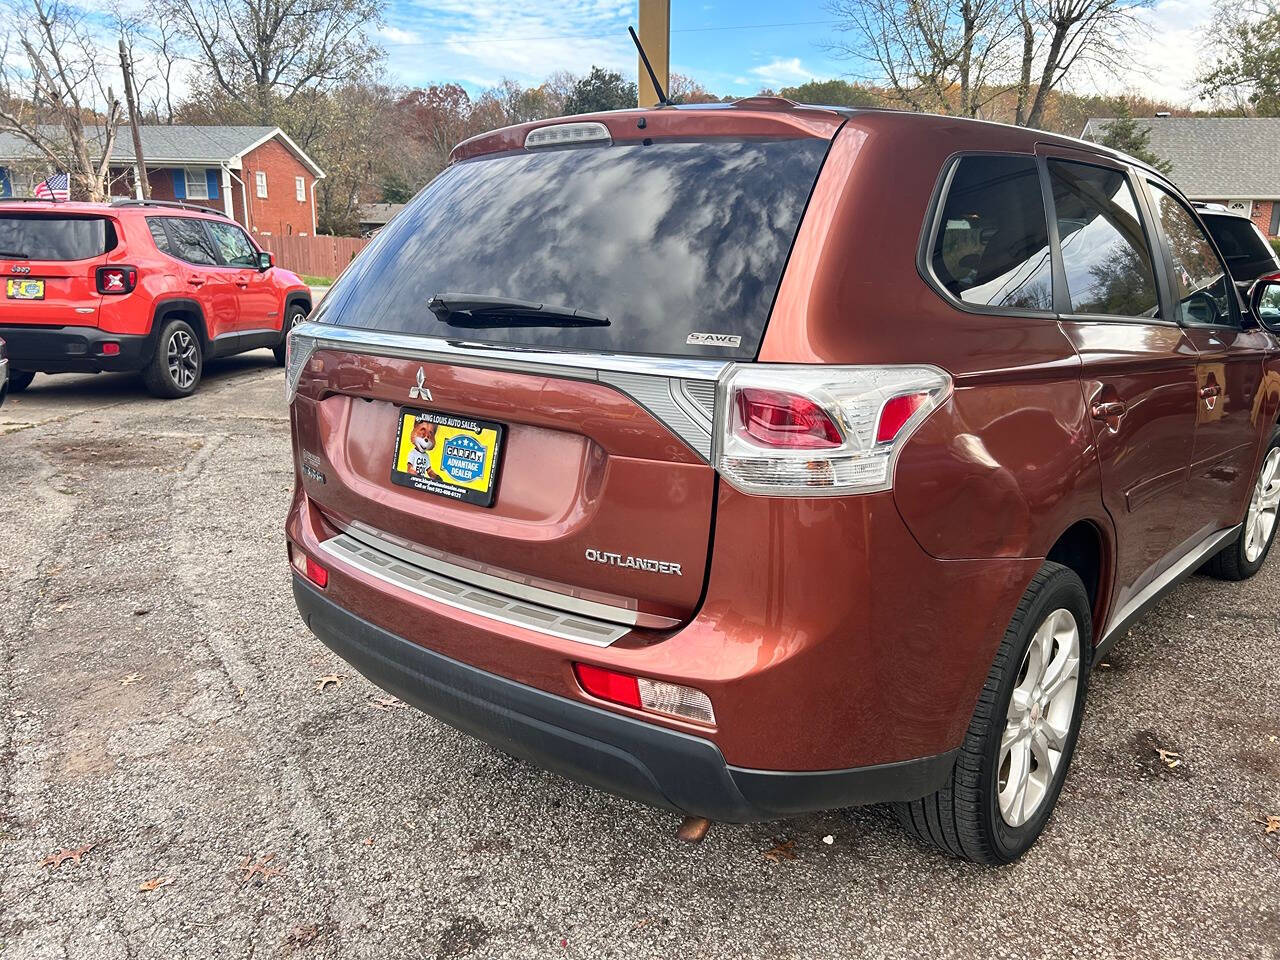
x,y
33,237
681,245
1238,238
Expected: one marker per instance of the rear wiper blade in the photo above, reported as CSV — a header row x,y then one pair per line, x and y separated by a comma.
x,y
469,310
13,254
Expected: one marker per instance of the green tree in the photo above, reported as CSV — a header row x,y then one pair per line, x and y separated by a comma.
x,y
1245,57
833,93
601,90
396,189
1126,134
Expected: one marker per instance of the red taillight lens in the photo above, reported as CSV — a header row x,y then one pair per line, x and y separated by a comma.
x,y
896,413
773,418
317,574
110,349
116,280
607,685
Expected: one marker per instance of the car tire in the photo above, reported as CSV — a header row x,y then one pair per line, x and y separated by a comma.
x,y
178,363
19,380
980,815
293,316
1245,556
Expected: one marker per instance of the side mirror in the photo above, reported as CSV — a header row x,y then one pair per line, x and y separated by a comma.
x,y
1264,301
265,261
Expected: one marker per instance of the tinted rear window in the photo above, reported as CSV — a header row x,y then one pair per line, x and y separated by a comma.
x,y
33,237
1237,238
666,240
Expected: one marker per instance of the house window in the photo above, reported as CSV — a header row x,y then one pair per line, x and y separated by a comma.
x,y
197,185
260,181
300,187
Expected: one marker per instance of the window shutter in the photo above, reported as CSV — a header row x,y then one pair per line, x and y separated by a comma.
x,y
211,178
179,184
1275,218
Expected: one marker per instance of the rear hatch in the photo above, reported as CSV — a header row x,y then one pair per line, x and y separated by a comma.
x,y
547,325
49,261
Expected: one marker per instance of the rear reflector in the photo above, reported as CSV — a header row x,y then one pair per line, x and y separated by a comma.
x,y
308,567
110,349
655,696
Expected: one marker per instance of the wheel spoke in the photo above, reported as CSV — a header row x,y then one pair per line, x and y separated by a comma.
x,y
1013,796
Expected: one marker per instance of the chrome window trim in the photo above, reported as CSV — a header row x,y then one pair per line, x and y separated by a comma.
x,y
655,383
489,578
475,600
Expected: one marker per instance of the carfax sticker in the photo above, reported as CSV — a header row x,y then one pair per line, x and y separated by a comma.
x,y
448,455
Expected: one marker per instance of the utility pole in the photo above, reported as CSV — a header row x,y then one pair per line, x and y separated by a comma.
x,y
655,36
140,163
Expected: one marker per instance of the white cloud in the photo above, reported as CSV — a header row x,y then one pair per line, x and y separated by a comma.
x,y
394,35
780,72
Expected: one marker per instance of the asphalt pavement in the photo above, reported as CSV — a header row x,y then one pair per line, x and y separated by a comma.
x,y
186,773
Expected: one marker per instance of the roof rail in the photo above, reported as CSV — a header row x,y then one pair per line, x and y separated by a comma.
x,y
168,203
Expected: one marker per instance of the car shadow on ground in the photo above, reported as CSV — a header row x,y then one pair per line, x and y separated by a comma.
x,y
129,385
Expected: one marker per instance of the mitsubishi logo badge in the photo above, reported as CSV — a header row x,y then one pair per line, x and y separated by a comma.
x,y
421,391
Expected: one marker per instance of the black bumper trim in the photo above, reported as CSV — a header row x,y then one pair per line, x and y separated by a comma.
x,y
74,349
625,756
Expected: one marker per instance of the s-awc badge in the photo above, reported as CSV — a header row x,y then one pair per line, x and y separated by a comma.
x,y
713,340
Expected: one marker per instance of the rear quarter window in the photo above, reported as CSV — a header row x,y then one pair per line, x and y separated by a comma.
x,y
44,237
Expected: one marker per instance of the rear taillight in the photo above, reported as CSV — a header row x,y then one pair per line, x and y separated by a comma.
x,y
303,563
641,693
297,351
117,280
819,431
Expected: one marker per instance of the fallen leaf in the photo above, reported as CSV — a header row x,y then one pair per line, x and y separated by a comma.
x,y
130,679
141,612
385,703
1170,758
781,850
55,859
264,869
332,678
156,884
1271,824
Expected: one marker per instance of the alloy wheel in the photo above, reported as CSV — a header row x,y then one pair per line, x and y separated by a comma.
x,y
184,363
1041,709
1260,522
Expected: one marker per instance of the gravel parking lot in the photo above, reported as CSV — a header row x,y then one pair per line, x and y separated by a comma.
x,y
161,715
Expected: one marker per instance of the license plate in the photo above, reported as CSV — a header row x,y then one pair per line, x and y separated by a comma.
x,y
25,289
448,455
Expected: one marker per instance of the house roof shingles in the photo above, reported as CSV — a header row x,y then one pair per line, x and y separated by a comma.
x,y
161,143
1214,158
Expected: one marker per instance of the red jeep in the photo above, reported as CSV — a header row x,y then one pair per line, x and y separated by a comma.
x,y
136,285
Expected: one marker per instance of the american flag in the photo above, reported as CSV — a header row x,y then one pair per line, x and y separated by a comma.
x,y
55,187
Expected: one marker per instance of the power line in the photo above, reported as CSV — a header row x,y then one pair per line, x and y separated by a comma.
x,y
605,36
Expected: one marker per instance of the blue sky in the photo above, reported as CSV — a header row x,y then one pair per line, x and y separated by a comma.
x,y
730,47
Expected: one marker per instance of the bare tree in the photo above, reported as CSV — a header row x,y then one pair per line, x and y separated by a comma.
x,y
941,56
264,53
55,95
957,56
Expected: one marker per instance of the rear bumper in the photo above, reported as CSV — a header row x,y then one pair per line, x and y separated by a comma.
x,y
74,349
625,756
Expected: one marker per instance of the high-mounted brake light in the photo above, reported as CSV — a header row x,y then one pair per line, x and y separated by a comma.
x,y
117,280
641,693
784,430
562,134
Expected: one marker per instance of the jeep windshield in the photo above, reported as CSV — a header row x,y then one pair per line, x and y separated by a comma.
x,y
680,244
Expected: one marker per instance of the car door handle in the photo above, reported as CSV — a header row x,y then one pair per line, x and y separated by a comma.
x,y
196,281
1215,390
1112,410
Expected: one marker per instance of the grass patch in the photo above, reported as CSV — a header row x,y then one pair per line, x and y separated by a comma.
x,y
311,281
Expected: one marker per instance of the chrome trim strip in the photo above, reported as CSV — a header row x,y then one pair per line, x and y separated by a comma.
x,y
577,366
1185,566
472,599
498,583
659,384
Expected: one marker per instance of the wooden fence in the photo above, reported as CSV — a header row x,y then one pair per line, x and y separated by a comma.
x,y
314,256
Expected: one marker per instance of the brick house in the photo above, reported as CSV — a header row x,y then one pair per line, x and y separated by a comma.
x,y
1234,161
257,175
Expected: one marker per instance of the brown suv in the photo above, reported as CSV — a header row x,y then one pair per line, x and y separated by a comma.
x,y
760,459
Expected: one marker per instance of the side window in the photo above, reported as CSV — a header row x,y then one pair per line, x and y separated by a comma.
x,y
234,246
189,241
1199,278
1104,249
992,245
161,238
